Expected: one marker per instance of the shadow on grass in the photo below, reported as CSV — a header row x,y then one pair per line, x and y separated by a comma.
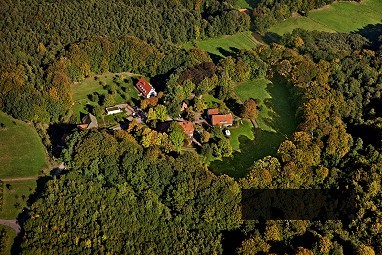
x,y
282,120
224,52
271,37
372,32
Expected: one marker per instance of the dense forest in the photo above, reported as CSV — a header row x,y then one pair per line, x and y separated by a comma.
x,y
134,191
337,90
36,36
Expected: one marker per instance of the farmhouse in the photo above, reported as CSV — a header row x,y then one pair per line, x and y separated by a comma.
x,y
219,119
88,122
113,110
222,120
188,128
145,88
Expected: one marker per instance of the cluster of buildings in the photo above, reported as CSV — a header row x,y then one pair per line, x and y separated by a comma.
x,y
147,90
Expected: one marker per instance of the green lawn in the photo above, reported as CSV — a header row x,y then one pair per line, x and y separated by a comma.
x,y
338,17
211,101
245,129
276,119
15,197
22,153
257,89
11,236
222,46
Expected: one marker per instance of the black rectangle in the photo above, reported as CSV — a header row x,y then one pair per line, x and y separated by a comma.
x,y
298,204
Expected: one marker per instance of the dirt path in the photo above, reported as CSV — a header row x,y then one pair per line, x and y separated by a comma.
x,y
58,167
12,224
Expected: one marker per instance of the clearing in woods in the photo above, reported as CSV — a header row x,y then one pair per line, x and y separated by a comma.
x,y
337,17
22,153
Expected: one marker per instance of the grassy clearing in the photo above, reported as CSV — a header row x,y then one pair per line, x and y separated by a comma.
x,y
245,129
22,153
276,121
15,197
11,236
257,89
338,17
225,45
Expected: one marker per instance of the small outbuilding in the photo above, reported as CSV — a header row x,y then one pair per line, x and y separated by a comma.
x,y
89,121
113,110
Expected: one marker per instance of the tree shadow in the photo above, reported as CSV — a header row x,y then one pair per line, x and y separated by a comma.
x,y
234,49
215,58
57,134
283,110
271,37
224,52
372,32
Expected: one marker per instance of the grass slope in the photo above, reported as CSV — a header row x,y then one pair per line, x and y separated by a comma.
x,y
222,46
338,17
276,120
257,89
22,153
15,197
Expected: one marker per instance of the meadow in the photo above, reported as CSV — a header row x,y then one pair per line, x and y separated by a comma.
x,y
22,152
337,17
225,45
276,122
15,196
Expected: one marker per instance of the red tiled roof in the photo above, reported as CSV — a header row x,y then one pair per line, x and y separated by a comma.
x,y
143,86
188,127
213,111
222,119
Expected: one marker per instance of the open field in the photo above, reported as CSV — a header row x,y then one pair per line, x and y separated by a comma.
x,y
15,196
222,46
22,153
276,119
338,17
